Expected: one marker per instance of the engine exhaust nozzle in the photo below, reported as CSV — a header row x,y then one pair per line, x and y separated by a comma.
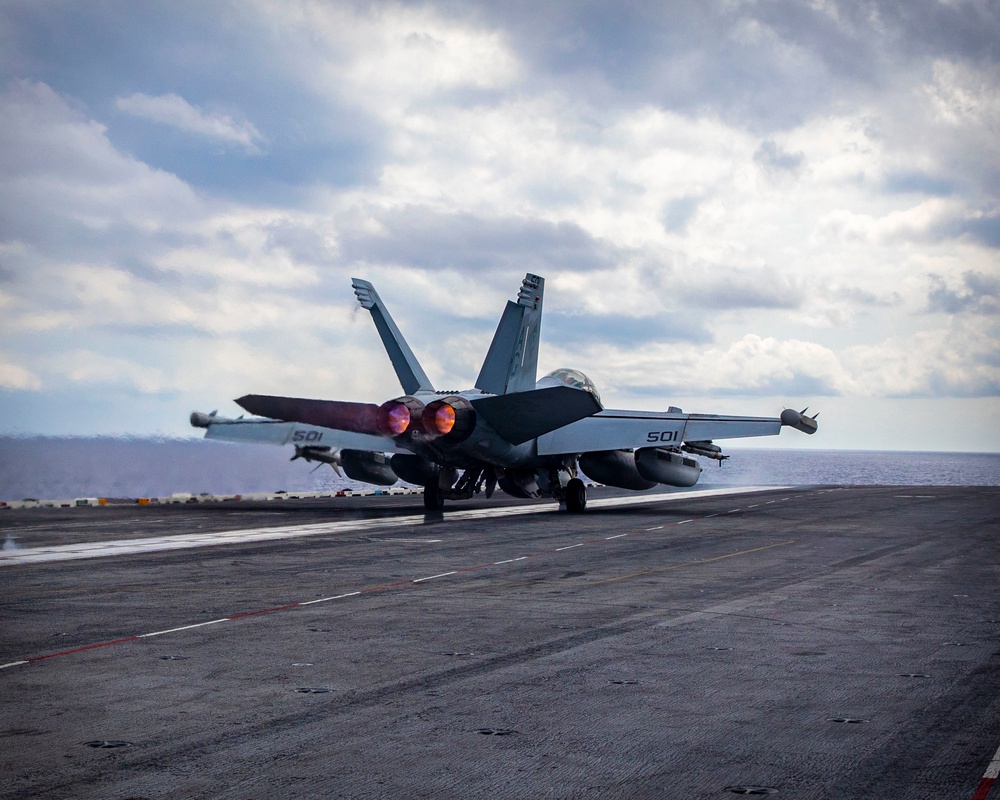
x,y
451,418
400,416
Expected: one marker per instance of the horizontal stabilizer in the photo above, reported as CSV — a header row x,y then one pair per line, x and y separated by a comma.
x,y
521,416
341,416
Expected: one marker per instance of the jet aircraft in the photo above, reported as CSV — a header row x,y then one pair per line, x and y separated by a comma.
x,y
530,438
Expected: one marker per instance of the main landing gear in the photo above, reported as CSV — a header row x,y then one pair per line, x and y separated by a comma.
x,y
433,500
576,496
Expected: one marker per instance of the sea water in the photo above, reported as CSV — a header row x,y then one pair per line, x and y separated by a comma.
x,y
63,468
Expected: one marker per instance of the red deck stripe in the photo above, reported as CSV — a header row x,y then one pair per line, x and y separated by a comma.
x,y
984,788
81,649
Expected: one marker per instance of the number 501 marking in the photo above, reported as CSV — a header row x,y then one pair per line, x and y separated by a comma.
x,y
662,436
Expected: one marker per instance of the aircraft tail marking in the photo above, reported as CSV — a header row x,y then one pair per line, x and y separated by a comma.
x,y
512,361
411,375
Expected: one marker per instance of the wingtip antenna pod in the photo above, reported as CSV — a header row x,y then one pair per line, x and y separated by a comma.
x,y
799,421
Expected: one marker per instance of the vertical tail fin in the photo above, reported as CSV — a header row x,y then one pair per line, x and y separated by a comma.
x,y
512,361
411,376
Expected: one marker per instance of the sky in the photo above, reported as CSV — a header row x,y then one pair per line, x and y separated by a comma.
x,y
737,206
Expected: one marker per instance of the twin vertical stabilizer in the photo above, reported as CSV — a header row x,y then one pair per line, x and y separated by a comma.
x,y
512,361
411,375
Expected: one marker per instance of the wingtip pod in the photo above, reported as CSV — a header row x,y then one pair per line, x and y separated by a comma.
x,y
200,420
799,420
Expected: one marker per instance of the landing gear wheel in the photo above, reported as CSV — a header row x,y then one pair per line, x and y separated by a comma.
x,y
433,501
576,496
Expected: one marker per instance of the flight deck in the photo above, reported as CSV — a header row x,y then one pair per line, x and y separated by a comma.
x,y
803,642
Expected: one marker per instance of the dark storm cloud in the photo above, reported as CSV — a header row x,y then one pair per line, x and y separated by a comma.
x,y
980,294
420,237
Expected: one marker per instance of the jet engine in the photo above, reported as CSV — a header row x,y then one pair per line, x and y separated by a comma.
x,y
615,468
666,466
451,418
397,417
367,467
200,420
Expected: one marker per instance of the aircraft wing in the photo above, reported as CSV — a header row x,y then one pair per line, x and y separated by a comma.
x,y
627,430
272,431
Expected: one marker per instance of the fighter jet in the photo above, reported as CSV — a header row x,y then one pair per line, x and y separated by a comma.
x,y
529,437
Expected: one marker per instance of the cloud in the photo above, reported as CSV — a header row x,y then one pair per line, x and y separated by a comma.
x,y
982,227
62,181
910,182
678,212
15,377
958,360
751,365
719,288
727,197
774,159
619,330
86,367
429,239
980,294
175,112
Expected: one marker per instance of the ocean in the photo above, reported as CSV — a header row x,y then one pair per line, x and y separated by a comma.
x,y
65,468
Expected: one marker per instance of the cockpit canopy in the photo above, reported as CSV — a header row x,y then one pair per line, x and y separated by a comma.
x,y
574,378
